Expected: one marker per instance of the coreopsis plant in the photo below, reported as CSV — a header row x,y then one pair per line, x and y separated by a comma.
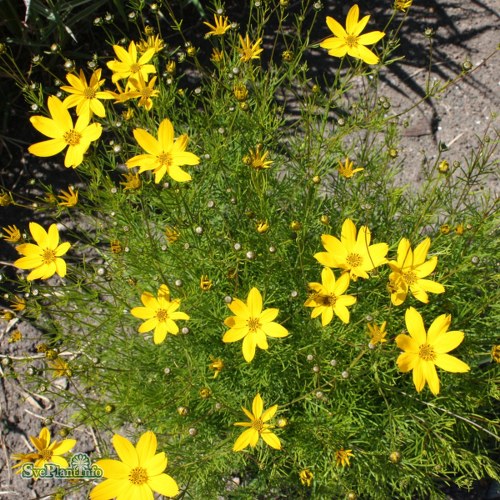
x,y
217,246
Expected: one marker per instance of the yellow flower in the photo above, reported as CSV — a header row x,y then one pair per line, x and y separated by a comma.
x,y
59,127
68,198
60,368
249,50
252,324
349,40
44,257
12,234
328,299
240,92
23,458
352,254
47,452
160,314
217,365
18,303
423,351
139,88
409,270
15,336
172,234
152,42
164,155
221,26
205,283
139,473
306,477
257,158
262,227
495,353
5,199
402,5
132,181
377,333
342,457
346,170
257,426
128,64
217,55
86,96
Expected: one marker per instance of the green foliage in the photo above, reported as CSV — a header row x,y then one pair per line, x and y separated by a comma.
x,y
335,389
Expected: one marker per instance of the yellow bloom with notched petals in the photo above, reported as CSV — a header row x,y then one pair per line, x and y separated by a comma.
x,y
252,324
409,270
85,96
47,452
164,155
160,314
257,426
351,253
328,297
128,65
59,127
44,257
221,26
350,41
249,50
138,474
423,351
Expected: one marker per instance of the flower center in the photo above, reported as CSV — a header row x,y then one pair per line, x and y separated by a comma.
x,y
138,476
134,68
351,41
253,324
89,93
72,137
410,278
354,260
426,352
258,425
46,455
165,159
48,256
146,92
162,315
327,300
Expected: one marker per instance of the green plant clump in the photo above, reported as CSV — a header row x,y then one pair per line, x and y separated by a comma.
x,y
247,240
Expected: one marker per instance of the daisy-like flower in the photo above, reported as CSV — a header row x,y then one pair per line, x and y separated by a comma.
x,y
249,50
138,88
44,257
328,299
217,55
131,181
346,170
60,368
47,452
152,42
12,234
164,155
138,474
23,458
59,127
68,198
349,40
423,351
257,426
160,314
128,64
257,158
221,26
377,333
342,457
172,234
18,303
252,324
306,477
217,365
351,253
85,96
409,270
403,5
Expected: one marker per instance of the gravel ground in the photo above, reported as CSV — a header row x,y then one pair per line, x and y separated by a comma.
x,y
463,31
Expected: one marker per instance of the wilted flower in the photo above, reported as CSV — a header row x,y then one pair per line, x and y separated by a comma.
x,y
68,198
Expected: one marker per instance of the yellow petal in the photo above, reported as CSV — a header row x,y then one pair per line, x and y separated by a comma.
x,y
334,44
426,268
407,343
342,312
451,364
339,52
235,334
326,315
254,302
407,361
446,342
125,450
164,485
155,464
418,376
59,113
348,234
335,27
342,284
352,19
275,330
62,249
248,347
110,488
146,447
257,406
438,327
74,155
371,37
244,439
239,308
147,142
415,325
47,148
405,254
160,333
39,234
113,469
166,134
269,413
261,340
268,315
421,251
431,376
271,439
177,174
47,126
360,26
363,53
64,446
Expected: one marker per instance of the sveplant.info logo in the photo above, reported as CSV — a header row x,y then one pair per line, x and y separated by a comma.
x,y
80,467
